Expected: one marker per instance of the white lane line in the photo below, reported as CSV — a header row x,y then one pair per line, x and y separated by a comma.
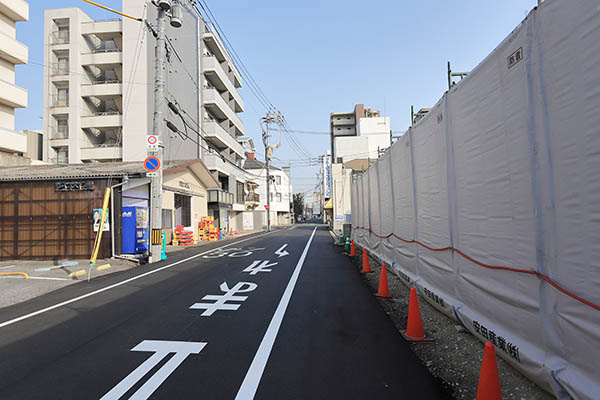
x,y
95,292
7,267
253,376
333,235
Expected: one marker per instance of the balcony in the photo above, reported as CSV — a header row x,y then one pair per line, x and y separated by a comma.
x,y
102,120
59,132
59,70
216,47
12,50
17,10
218,198
59,102
102,28
218,77
221,138
103,57
12,95
13,142
102,88
109,152
219,107
60,37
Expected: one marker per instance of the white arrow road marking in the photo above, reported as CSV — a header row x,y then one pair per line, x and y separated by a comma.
x,y
161,349
221,300
281,252
255,268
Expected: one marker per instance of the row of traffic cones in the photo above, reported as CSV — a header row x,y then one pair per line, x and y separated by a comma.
x,y
231,233
489,382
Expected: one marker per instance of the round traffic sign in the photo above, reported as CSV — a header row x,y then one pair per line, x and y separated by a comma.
x,y
152,164
152,139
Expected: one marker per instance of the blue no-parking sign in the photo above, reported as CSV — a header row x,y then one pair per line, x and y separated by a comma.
x,y
152,164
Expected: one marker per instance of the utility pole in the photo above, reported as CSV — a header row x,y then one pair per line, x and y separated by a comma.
x,y
160,82
265,139
267,120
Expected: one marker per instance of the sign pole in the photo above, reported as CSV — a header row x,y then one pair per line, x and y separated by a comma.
x,y
160,70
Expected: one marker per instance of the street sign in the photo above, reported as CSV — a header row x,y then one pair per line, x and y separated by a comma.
x,y
151,174
266,207
152,143
152,164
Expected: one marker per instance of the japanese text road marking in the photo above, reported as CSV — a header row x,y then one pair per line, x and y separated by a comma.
x,y
255,268
281,252
126,281
161,349
254,374
233,252
221,300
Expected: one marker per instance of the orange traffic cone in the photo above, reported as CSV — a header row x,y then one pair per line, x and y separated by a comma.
x,y
352,249
384,291
237,232
414,327
366,267
230,231
489,381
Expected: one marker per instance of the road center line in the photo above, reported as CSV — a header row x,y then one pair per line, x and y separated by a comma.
x,y
95,292
253,376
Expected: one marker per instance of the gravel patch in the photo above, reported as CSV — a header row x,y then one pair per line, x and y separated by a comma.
x,y
456,355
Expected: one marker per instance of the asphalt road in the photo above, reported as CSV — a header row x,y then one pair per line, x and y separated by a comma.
x,y
286,316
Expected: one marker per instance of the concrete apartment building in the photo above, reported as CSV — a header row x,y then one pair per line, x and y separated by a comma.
x,y
358,134
99,96
12,52
356,138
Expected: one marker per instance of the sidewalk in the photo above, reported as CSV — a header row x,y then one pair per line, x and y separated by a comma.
x,y
36,278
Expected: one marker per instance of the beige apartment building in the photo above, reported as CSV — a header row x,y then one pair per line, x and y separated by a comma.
x,y
12,52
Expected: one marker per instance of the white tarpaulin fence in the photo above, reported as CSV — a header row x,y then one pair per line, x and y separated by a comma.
x,y
490,205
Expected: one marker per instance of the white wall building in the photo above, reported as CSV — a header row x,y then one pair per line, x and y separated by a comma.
x,y
12,52
99,95
359,134
280,191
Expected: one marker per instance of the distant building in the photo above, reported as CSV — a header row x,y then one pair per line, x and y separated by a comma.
x,y
359,134
12,52
280,190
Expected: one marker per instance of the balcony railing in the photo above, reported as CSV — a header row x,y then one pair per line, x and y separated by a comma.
x,y
220,196
106,82
60,69
111,50
252,198
60,37
59,102
60,132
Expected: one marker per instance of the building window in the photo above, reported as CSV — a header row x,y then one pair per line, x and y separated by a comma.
x,y
239,194
183,210
62,155
62,97
167,218
278,180
278,196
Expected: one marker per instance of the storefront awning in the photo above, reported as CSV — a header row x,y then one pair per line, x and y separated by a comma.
x,y
329,204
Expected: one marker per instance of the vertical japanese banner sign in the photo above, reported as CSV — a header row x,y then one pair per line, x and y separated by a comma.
x,y
99,233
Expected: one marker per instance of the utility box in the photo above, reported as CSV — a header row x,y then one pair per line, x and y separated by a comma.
x,y
135,230
347,230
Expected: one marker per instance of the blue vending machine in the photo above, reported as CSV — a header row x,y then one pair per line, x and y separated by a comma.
x,y
135,230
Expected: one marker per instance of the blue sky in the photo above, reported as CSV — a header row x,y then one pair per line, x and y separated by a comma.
x,y
315,57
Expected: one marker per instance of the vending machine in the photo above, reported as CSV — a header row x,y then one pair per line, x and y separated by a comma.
x,y
135,230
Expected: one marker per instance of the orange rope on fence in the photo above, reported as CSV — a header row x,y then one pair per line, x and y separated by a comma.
x,y
474,261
